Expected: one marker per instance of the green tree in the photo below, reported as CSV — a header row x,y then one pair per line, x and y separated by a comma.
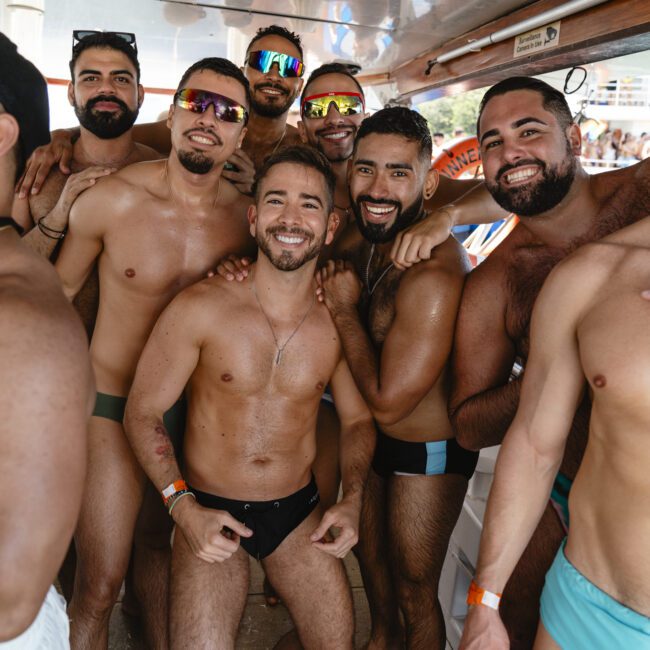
x,y
447,113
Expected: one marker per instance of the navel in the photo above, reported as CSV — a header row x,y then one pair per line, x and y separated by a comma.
x,y
130,273
226,377
600,381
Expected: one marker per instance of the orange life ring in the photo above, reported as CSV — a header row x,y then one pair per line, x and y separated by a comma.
x,y
463,156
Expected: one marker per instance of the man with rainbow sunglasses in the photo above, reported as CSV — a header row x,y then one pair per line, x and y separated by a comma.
x,y
273,65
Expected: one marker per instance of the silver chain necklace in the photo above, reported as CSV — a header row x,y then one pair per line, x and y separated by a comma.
x,y
280,348
381,275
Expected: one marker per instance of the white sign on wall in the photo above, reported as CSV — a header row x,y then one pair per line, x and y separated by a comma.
x,y
542,38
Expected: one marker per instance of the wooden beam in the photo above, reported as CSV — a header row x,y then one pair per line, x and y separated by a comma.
x,y
615,28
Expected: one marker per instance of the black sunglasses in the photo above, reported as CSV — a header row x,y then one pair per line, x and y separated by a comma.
x,y
79,34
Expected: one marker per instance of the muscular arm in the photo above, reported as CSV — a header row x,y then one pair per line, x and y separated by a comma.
x,y
84,240
45,387
417,345
167,362
534,444
357,437
482,402
473,206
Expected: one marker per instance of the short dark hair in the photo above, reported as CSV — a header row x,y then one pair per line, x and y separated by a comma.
x,y
106,41
330,68
437,134
219,66
552,100
299,154
277,30
402,121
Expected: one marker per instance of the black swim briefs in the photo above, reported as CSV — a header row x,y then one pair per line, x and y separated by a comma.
x,y
270,521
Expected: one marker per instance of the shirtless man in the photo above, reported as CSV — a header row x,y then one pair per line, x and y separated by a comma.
x,y
589,332
250,440
46,387
274,67
106,94
155,228
397,329
529,147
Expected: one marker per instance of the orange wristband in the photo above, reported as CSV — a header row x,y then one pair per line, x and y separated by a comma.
x,y
172,489
478,596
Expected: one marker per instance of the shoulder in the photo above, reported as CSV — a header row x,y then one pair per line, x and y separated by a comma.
x,y
606,183
143,153
292,136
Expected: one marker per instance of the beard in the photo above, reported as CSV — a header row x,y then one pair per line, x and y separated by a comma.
x,y
286,260
194,161
342,156
536,198
380,233
106,124
271,109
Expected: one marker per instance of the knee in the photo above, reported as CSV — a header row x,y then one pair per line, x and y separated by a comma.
x,y
416,595
97,591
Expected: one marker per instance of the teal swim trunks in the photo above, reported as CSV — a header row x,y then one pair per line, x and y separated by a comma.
x,y
579,615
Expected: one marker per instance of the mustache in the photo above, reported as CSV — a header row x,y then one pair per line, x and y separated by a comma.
x,y
274,230
345,127
521,163
199,129
369,199
106,98
270,84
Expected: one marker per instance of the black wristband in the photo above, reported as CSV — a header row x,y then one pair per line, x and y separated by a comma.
x,y
50,232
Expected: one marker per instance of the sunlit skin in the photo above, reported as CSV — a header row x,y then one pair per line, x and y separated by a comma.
x,y
103,71
513,142
334,133
202,133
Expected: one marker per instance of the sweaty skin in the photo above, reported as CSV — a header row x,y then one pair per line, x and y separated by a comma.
x,y
155,228
251,427
589,333
493,322
397,339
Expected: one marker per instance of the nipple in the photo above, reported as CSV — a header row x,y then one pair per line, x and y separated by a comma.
x,y
646,294
130,273
600,381
226,377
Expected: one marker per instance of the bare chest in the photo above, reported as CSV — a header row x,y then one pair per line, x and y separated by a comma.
x,y
525,273
378,301
246,361
157,252
614,339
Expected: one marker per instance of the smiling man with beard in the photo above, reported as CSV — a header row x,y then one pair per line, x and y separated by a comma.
x,y
257,355
274,66
530,148
397,330
154,227
106,94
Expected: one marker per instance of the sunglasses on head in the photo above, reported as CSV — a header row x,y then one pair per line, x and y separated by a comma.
x,y
80,34
198,101
346,104
288,66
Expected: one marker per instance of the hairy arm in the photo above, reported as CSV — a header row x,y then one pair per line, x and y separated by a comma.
x,y
357,443
45,399
167,362
534,444
483,402
474,205
165,366
417,346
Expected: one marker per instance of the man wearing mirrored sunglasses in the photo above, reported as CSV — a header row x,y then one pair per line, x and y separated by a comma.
x,y
106,94
273,65
154,227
